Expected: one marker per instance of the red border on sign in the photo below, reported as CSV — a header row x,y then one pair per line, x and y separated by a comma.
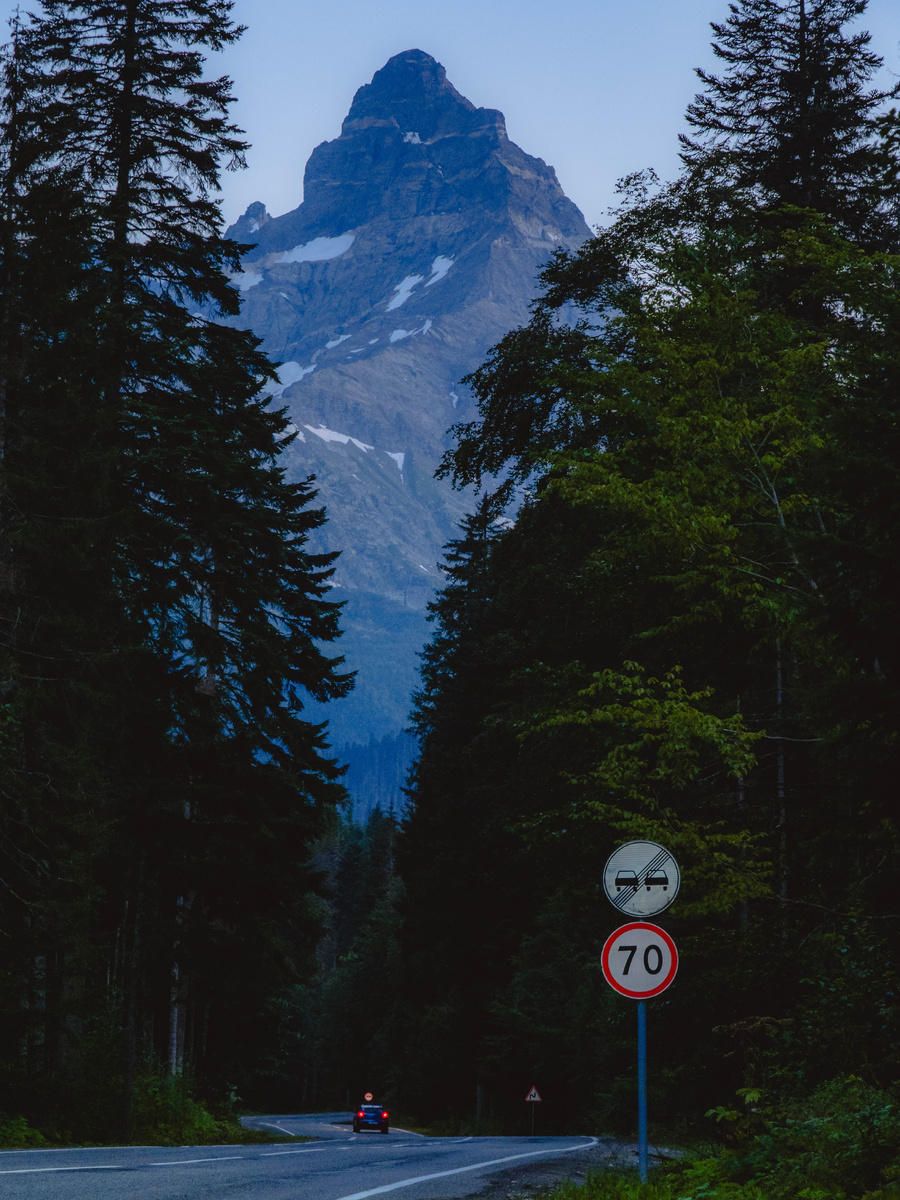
x,y
614,983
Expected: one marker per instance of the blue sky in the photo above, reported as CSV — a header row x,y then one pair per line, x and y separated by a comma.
x,y
597,88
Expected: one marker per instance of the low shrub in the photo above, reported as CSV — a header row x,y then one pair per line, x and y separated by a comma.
x,y
17,1134
700,1179
841,1142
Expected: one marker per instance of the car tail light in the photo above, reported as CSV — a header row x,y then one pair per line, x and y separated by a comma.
x,y
384,1116
360,1114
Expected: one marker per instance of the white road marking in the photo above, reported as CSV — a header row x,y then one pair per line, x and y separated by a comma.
x,y
281,1128
493,1162
390,1187
183,1162
44,1170
277,1153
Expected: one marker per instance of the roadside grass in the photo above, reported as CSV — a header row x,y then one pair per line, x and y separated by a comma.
x,y
167,1112
200,1130
700,1179
839,1142
704,1179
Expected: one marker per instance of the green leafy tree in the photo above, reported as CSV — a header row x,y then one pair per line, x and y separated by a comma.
x,y
702,442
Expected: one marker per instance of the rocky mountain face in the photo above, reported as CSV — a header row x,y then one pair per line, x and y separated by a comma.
x,y
415,249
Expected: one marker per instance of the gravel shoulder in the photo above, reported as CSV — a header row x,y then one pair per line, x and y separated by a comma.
x,y
534,1179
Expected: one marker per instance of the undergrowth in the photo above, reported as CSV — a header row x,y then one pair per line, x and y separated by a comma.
x,y
842,1142
167,1112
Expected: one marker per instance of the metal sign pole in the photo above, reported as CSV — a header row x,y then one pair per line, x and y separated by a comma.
x,y
642,1089
639,960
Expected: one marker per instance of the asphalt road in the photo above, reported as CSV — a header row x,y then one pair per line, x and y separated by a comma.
x,y
338,1166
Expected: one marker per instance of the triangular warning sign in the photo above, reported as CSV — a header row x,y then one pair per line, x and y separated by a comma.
x,y
532,1095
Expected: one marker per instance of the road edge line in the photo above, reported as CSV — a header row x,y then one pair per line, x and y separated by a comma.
x,y
494,1162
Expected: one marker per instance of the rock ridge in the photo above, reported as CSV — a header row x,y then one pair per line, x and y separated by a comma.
x,y
411,145
416,248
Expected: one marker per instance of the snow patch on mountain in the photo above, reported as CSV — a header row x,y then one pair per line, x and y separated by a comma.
x,y
439,269
320,249
289,373
399,458
336,341
412,138
329,435
246,279
397,335
404,291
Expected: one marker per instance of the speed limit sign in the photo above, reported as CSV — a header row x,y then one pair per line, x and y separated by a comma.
x,y
639,960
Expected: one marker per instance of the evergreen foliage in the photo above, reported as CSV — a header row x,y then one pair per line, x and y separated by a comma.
x,y
793,119
162,618
341,1033
687,634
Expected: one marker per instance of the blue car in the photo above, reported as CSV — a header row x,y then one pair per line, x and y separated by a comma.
x,y
370,1116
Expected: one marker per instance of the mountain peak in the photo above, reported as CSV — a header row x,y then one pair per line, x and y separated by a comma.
x,y
404,75
416,248
412,92
411,145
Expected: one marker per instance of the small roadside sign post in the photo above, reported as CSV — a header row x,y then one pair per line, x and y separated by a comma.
x,y
639,960
532,1098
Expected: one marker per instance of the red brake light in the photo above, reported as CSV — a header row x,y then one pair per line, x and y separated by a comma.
x,y
384,1116
360,1114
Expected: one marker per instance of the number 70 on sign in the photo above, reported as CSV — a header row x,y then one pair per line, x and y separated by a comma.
x,y
639,960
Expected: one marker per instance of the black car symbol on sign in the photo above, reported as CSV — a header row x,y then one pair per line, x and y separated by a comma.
x,y
657,879
626,879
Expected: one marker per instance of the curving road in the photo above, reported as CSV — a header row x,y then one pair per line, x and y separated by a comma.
x,y
340,1165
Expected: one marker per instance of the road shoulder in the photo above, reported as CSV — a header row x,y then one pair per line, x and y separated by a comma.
x,y
534,1178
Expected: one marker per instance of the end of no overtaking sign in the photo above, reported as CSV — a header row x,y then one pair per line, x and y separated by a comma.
x,y
639,960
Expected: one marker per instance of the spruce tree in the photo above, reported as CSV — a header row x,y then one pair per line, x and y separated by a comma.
x,y
212,609
794,120
61,625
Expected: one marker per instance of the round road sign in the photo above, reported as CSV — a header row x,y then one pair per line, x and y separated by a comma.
x,y
639,960
641,879
368,1096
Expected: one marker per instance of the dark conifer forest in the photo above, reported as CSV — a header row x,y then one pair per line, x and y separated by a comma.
x,y
161,619
688,633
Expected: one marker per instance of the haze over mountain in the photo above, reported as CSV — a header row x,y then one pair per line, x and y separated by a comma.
x,y
415,249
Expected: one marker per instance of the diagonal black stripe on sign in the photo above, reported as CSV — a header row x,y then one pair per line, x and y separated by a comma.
x,y
656,861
